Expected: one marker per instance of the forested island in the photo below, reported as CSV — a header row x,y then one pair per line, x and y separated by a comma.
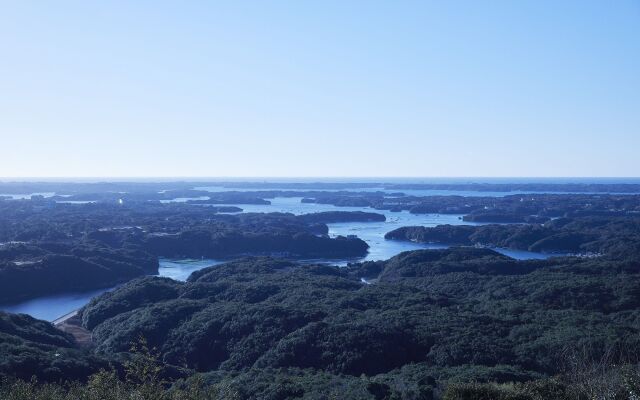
x,y
512,208
459,323
616,236
47,247
269,328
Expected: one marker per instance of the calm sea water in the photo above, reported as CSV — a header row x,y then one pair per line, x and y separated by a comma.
x,y
49,308
373,232
52,307
27,195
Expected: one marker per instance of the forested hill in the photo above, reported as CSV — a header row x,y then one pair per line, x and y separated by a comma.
x,y
431,317
424,320
614,237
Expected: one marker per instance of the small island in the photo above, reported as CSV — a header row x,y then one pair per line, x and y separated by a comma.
x,y
44,250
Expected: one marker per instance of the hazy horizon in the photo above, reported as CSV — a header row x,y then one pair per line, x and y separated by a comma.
x,y
332,179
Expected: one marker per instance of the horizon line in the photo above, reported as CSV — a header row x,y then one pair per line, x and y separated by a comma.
x,y
6,179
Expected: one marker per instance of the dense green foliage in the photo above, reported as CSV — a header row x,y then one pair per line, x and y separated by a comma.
x,y
617,237
460,323
341,216
43,268
461,313
268,328
47,247
591,381
29,347
530,208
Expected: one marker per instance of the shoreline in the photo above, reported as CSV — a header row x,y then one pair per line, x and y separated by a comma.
x,y
64,318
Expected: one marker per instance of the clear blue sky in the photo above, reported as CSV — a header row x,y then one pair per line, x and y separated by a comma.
x,y
320,88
